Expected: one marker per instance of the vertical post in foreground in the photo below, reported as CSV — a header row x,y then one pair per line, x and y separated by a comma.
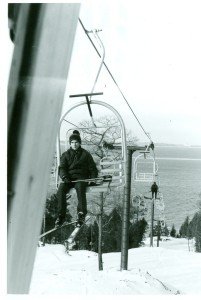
x,y
158,232
152,221
126,213
43,46
100,216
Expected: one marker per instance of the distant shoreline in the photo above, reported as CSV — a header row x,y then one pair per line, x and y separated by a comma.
x,y
177,146
177,158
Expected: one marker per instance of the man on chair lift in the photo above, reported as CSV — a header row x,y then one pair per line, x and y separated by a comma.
x,y
76,164
154,190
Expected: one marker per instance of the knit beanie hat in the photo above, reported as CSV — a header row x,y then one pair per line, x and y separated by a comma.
x,y
75,136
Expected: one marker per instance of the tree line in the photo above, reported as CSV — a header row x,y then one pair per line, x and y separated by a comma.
x,y
190,229
87,238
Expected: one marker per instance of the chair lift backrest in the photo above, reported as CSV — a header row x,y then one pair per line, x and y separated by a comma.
x,y
148,166
115,168
119,166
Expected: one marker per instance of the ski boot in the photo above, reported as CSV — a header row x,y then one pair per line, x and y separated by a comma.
x,y
59,221
80,218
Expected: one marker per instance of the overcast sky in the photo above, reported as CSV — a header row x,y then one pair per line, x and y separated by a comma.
x,y
153,51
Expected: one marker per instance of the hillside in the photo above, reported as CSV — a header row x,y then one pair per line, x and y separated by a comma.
x,y
168,269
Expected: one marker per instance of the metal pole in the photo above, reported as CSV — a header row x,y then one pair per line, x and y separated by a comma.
x,y
152,222
100,259
44,225
158,232
126,213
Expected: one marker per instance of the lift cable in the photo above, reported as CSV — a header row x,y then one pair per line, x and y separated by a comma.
x,y
87,33
96,36
71,123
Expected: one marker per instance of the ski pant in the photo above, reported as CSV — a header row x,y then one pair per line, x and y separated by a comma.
x,y
64,188
154,194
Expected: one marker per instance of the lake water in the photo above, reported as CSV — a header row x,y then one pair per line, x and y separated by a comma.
x,y
179,177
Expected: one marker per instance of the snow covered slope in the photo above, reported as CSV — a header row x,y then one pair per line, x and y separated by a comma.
x,y
168,269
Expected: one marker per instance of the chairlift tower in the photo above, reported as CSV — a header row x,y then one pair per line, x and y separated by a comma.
x,y
126,208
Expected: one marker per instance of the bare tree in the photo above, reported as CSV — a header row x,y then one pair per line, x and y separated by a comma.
x,y
101,139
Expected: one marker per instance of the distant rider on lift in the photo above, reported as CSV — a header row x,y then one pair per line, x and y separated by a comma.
x,y
154,190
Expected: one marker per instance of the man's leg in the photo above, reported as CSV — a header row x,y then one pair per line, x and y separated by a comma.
x,y
61,197
81,197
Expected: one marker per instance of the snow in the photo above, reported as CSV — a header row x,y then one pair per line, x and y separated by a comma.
x,y
169,269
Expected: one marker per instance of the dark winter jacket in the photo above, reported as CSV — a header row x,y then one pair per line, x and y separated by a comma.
x,y
154,188
77,164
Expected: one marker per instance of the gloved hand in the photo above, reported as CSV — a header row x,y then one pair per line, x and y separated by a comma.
x,y
66,179
107,177
92,183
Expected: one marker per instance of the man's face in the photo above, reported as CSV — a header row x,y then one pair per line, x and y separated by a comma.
x,y
74,144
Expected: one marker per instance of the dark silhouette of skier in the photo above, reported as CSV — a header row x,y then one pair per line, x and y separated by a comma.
x,y
154,190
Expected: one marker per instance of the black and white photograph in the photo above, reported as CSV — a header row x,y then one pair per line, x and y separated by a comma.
x,y
101,148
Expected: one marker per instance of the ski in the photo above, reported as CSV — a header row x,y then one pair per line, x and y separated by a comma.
x,y
69,243
57,228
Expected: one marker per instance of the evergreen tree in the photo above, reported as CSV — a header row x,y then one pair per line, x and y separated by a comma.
x,y
173,231
81,240
136,233
165,230
49,219
193,224
184,229
112,232
190,233
155,230
92,237
192,229
196,230
198,235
